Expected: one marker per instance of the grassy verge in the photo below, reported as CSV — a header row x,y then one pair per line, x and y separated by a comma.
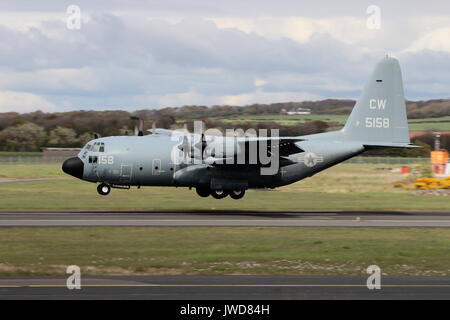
x,y
121,251
344,187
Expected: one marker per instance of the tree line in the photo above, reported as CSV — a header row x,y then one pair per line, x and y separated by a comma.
x,y
32,131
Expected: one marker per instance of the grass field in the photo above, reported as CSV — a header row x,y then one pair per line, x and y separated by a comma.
x,y
441,123
291,119
344,187
19,154
158,251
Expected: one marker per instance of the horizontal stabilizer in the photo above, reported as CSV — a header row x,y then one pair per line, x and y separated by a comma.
x,y
390,145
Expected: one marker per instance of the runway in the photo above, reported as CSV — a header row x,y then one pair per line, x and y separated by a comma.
x,y
225,288
204,218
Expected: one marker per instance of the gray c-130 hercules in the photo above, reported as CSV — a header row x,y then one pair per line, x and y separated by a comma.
x,y
224,165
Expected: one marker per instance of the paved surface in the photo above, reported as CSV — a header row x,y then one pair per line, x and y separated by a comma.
x,y
223,219
225,287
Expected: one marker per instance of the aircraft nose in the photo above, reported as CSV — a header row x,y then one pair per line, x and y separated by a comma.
x,y
73,166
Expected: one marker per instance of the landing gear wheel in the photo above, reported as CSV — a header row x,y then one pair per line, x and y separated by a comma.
x,y
203,192
237,194
103,189
219,194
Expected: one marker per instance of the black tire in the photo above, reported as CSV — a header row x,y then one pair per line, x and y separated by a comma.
x,y
219,194
203,192
237,194
103,189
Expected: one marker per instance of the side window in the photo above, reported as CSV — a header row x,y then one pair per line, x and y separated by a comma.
x,y
92,159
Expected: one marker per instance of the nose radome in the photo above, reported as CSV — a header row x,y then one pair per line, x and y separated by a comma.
x,y
73,166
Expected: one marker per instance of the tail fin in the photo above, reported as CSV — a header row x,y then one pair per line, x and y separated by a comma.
x,y
379,116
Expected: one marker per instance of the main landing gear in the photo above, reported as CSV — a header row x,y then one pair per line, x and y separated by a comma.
x,y
237,194
103,189
219,194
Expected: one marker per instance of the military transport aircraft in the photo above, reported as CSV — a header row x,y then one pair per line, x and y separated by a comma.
x,y
219,166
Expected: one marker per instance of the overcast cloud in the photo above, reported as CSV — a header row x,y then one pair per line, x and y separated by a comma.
x,y
153,54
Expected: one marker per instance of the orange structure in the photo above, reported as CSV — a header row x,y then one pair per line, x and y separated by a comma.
x,y
439,159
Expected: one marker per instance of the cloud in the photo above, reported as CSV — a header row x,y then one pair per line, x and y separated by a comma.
x,y
257,96
157,54
260,96
13,101
436,40
260,82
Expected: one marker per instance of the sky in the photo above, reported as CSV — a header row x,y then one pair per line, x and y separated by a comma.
x,y
109,54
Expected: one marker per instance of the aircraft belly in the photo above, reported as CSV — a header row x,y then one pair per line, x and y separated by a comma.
x,y
226,178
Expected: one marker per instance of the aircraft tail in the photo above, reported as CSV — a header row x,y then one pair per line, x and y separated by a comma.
x,y
378,118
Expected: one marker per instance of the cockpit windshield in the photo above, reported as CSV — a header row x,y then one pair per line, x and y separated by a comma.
x,y
96,147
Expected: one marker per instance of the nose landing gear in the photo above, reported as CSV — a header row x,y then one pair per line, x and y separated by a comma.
x,y
103,189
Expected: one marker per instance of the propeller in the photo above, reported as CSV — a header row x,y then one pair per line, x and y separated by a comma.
x,y
185,147
202,144
139,129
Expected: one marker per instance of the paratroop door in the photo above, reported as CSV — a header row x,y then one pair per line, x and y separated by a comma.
x,y
125,172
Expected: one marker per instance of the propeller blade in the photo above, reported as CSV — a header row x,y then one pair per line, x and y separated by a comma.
x,y
141,128
138,129
185,147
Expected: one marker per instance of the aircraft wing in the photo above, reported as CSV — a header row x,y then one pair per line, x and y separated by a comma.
x,y
286,145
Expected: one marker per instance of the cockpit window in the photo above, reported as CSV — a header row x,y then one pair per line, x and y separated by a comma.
x,y
98,147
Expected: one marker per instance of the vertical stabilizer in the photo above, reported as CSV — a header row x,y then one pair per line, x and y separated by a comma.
x,y
379,115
